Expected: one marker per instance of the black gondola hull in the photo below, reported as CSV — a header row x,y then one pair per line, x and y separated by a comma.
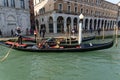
x,y
66,48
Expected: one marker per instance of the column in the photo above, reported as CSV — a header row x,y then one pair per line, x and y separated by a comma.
x,y
17,4
100,24
96,24
47,24
92,24
54,23
71,23
1,2
109,26
103,24
112,25
65,27
26,2
55,26
83,24
78,24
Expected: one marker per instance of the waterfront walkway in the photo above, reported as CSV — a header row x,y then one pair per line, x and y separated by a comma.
x,y
106,33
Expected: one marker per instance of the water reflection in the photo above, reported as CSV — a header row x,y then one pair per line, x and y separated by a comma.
x,y
94,65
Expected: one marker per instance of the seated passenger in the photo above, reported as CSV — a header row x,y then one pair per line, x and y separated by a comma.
x,y
43,45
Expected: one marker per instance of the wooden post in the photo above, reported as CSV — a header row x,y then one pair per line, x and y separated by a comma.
x,y
80,29
103,33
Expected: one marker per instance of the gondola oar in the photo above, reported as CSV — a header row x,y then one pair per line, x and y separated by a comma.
x,y
103,33
69,35
7,54
116,35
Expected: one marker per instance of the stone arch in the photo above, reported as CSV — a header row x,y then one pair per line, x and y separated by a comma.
x,y
107,27
91,24
11,18
11,24
95,23
86,24
68,24
102,24
98,24
119,24
75,21
60,24
50,24
105,24
110,24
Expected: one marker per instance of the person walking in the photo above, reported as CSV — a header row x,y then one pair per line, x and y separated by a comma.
x,y
43,31
35,34
12,33
27,32
99,30
0,33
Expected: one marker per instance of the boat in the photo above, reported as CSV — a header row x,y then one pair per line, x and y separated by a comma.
x,y
62,40
59,48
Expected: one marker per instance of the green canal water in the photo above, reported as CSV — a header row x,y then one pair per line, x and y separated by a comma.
x,y
94,65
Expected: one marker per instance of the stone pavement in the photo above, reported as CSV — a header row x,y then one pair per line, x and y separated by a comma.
x,y
106,33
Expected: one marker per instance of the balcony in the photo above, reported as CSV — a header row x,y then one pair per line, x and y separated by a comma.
x,y
66,12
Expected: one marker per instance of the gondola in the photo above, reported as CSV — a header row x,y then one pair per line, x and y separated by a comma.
x,y
62,48
62,40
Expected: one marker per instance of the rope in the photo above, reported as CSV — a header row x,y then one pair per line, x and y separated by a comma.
x,y
8,52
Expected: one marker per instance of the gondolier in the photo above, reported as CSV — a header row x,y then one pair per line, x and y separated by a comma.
x,y
19,39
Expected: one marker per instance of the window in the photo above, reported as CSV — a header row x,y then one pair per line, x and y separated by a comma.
x,y
22,4
69,9
81,11
75,9
60,7
5,2
12,3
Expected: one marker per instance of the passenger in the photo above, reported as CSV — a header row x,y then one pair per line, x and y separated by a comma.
x,y
34,47
43,45
57,45
46,45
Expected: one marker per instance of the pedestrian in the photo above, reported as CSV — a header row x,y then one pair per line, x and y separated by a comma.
x,y
99,30
0,33
73,31
27,32
40,32
12,33
91,30
35,34
43,31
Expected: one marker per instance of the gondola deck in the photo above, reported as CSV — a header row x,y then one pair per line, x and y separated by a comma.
x,y
63,48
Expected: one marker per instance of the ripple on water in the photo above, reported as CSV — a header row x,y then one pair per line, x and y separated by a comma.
x,y
94,65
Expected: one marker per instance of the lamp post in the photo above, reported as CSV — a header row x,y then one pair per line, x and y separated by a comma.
x,y
118,13
81,17
117,22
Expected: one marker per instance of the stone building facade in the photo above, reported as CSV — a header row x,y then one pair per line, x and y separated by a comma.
x,y
60,15
14,13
